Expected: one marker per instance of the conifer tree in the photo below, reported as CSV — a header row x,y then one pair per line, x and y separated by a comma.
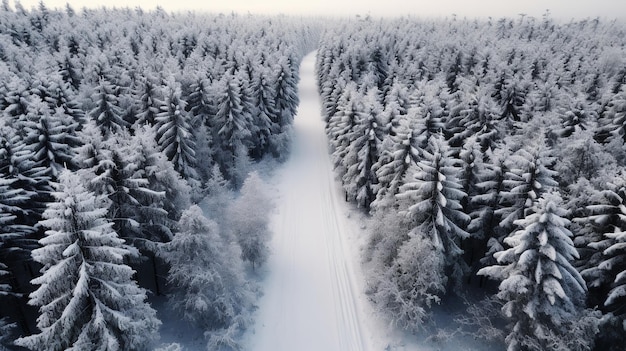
x,y
87,296
360,179
231,123
107,113
249,220
174,135
529,176
149,101
542,292
206,272
399,152
430,199
286,98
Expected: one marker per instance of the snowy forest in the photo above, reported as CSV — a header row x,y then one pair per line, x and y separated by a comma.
x,y
491,157
488,157
129,145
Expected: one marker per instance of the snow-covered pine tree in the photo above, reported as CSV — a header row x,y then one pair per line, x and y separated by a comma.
x,y
426,110
330,94
87,296
430,199
61,96
576,117
174,134
398,153
30,181
148,101
340,125
200,101
477,119
616,114
248,219
602,215
107,112
68,69
605,267
231,124
543,293
360,179
528,177
265,118
286,98
511,96
50,138
165,194
207,274
484,225
16,98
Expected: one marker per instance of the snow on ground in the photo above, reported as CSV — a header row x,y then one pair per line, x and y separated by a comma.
x,y
312,300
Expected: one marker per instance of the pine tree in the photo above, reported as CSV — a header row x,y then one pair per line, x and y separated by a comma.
x,y
541,290
399,152
206,272
107,113
286,98
232,125
431,201
200,101
49,139
340,125
24,181
174,135
604,268
249,220
360,179
148,100
266,119
161,176
484,225
87,296
528,178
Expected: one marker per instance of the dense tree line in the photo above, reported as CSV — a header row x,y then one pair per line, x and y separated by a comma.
x,y
487,149
113,122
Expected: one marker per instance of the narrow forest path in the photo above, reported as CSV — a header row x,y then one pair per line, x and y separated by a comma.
x,y
311,301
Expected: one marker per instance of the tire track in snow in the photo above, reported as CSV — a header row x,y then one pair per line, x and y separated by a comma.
x,y
311,299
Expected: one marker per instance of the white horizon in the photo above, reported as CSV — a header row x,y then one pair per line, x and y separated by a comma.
x,y
558,9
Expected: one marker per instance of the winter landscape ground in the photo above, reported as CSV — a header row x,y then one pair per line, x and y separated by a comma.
x,y
312,300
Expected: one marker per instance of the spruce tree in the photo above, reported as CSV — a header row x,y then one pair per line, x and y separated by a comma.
x,y
431,200
206,272
87,296
174,135
360,179
543,293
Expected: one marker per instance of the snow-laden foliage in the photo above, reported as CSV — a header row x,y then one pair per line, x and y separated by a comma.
x,y
430,199
540,288
132,102
206,274
527,106
87,296
248,220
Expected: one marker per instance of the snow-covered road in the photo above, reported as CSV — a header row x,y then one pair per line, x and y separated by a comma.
x,y
311,297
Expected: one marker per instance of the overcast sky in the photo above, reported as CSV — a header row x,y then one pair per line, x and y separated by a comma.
x,y
562,9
